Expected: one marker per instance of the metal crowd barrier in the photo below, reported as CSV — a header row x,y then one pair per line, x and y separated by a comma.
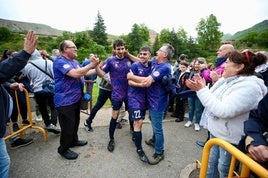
x,y
89,88
247,164
20,132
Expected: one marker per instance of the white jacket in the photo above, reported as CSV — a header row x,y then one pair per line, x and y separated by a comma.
x,y
233,108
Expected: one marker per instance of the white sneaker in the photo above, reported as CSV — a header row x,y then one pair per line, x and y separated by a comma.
x,y
196,127
188,124
38,118
52,128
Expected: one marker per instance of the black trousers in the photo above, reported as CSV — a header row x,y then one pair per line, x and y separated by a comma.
x,y
180,107
69,119
103,96
44,101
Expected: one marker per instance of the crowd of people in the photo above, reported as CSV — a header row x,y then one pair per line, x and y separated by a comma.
x,y
228,98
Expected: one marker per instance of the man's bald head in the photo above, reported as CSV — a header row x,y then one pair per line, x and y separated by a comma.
x,y
224,49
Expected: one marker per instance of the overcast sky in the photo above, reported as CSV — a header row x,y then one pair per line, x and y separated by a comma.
x,y
120,15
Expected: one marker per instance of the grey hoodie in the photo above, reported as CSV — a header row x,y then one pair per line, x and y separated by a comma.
x,y
36,76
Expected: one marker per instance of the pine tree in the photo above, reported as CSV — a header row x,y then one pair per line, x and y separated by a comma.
x,y
99,34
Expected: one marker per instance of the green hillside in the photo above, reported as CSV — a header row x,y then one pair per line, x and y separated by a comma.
x,y
18,27
258,28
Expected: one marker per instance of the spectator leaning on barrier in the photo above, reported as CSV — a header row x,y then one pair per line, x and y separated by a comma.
x,y
255,141
228,103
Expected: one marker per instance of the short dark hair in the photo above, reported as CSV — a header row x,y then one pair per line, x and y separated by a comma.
x,y
184,63
146,48
118,42
183,56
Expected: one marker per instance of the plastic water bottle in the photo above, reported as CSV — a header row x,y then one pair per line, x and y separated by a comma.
x,y
87,97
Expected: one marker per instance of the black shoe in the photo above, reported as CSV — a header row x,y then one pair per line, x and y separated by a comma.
x,y
156,158
80,143
88,127
25,122
15,127
150,142
200,143
110,146
69,154
21,142
118,125
174,115
142,156
123,121
179,119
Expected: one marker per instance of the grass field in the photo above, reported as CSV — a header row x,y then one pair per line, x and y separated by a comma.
x,y
95,93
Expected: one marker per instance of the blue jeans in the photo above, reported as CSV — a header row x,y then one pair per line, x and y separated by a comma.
x,y
4,159
195,108
219,162
158,134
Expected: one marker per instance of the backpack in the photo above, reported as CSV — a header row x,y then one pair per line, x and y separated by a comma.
x,y
173,87
263,74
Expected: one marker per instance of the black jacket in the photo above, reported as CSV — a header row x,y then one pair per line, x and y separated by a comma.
x,y
257,124
8,68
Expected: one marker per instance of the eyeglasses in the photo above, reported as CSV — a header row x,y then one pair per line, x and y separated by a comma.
x,y
74,47
145,54
200,61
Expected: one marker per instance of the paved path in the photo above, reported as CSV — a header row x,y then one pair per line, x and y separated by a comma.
x,y
40,159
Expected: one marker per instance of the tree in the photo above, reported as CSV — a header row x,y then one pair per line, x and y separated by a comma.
x,y
82,39
175,42
99,34
170,37
192,48
156,45
5,34
164,36
138,37
208,34
182,37
262,39
249,39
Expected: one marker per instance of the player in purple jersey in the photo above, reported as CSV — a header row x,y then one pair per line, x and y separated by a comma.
x,y
68,93
118,66
157,97
137,100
